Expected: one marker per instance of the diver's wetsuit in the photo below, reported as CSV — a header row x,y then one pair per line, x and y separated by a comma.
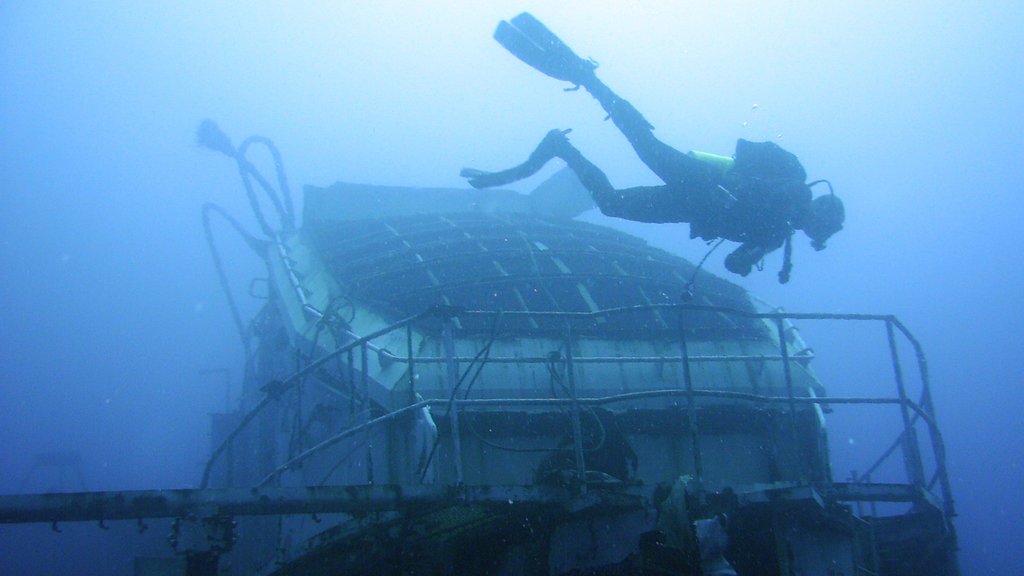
x,y
758,199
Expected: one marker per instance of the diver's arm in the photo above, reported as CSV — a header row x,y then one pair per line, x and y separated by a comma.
x,y
742,259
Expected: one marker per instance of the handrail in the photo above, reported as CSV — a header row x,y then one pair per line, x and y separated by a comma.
x,y
589,403
923,410
276,389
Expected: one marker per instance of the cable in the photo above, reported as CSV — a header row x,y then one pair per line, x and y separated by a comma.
x,y
688,289
288,221
483,352
210,136
254,243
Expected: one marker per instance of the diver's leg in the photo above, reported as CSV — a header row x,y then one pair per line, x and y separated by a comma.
x,y
671,165
642,204
554,145
544,152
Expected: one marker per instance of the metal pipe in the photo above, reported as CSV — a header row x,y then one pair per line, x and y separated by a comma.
x,y
577,428
453,379
647,394
337,438
884,456
599,359
787,376
134,505
691,408
351,373
364,361
925,411
293,278
690,307
911,449
294,379
578,401
411,365
938,445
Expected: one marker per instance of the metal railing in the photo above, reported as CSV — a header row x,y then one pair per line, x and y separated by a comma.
x,y
911,412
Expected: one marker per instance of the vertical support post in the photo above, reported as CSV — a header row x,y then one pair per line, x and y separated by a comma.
x,y
453,379
855,479
410,363
787,375
365,376
691,406
938,446
365,385
350,358
577,428
911,448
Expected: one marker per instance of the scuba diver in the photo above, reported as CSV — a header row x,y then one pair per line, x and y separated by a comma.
x,y
758,197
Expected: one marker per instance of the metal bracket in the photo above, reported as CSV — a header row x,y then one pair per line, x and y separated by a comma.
x,y
209,535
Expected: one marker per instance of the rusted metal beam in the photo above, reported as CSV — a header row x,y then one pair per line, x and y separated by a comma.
x,y
822,492
134,505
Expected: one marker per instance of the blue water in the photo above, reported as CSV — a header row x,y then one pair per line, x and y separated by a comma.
x,y
110,310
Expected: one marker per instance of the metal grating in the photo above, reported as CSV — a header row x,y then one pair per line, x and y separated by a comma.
x,y
521,262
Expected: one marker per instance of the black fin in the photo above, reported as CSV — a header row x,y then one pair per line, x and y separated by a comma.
x,y
530,41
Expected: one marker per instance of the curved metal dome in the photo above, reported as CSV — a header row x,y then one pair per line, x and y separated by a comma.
x,y
513,261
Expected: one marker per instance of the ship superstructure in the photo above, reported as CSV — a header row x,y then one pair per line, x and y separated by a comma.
x,y
452,382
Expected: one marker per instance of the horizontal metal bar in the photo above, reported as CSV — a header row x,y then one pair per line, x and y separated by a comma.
x,y
272,501
822,492
689,307
859,492
601,359
134,505
630,396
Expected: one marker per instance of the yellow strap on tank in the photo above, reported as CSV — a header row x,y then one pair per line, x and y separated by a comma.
x,y
722,163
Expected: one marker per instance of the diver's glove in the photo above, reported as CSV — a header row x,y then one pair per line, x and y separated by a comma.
x,y
742,259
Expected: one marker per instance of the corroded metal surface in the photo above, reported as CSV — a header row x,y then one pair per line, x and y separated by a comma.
x,y
131,505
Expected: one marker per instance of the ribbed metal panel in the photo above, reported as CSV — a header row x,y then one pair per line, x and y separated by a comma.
x,y
521,262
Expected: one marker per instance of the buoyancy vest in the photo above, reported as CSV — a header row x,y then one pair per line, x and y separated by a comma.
x,y
762,196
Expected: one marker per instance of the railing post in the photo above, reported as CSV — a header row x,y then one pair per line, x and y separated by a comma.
x,y
453,379
691,407
351,377
410,366
855,479
911,449
577,428
787,376
938,446
364,361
